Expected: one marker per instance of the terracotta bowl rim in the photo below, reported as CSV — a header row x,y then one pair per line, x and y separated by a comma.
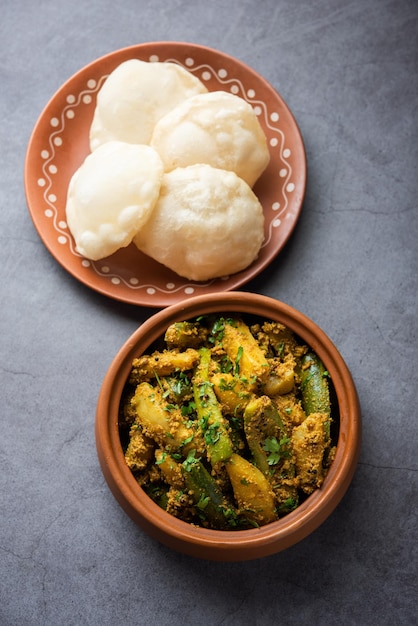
x,y
215,544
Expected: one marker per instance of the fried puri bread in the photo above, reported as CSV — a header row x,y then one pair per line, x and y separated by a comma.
x,y
135,96
216,128
207,223
111,196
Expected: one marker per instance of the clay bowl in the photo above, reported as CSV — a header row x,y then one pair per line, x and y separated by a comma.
x,y
242,544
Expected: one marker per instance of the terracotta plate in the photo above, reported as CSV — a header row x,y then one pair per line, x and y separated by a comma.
x,y
59,144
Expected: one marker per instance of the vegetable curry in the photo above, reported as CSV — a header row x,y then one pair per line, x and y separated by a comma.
x,y
228,424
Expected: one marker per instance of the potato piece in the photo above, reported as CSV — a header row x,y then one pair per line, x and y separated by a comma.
x,y
170,469
251,490
231,392
290,409
281,339
163,424
164,363
245,353
140,449
185,335
262,422
281,379
310,441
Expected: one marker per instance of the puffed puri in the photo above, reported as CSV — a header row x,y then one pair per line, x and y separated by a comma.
x,y
111,196
207,223
216,128
135,95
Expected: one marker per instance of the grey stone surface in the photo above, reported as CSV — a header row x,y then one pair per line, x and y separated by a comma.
x,y
68,553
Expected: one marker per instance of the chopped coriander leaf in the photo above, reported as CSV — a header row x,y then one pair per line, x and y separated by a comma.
x,y
190,460
212,433
161,459
157,378
187,440
231,516
188,408
225,364
171,407
238,359
276,449
203,502
203,391
288,505
203,422
225,385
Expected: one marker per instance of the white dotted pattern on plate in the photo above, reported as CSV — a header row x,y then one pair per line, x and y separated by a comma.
x,y
205,73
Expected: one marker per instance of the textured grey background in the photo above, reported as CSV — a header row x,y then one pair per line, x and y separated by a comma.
x,y
68,554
